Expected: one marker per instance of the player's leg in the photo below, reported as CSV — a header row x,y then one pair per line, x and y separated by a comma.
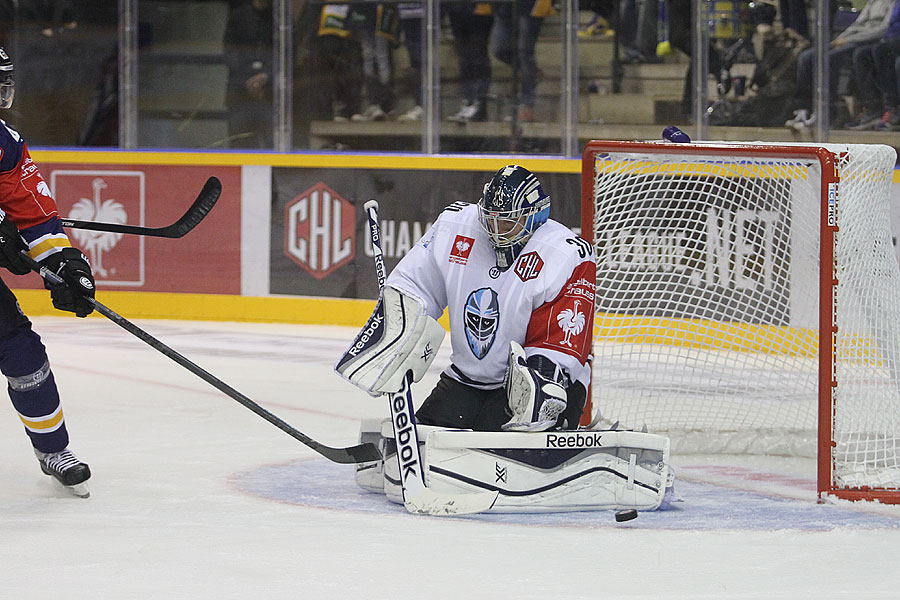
x,y
34,395
456,405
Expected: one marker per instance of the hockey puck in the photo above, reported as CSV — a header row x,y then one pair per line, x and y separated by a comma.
x,y
626,515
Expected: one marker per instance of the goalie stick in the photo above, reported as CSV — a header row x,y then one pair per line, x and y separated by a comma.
x,y
417,498
354,454
197,211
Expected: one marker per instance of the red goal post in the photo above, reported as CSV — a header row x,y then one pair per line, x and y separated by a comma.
x,y
715,323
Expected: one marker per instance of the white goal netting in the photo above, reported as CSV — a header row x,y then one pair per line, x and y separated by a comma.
x,y
710,303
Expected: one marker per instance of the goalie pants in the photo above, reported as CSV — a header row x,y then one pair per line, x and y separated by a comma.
x,y
455,405
31,387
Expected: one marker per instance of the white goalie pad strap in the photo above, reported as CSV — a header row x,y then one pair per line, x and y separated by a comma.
x,y
583,470
398,337
535,402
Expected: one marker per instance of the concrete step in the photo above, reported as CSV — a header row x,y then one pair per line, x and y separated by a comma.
x,y
636,109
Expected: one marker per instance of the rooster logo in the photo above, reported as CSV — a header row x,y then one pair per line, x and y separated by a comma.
x,y
462,246
571,321
96,243
44,189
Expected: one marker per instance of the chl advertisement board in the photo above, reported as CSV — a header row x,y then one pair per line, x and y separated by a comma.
x,y
207,260
320,245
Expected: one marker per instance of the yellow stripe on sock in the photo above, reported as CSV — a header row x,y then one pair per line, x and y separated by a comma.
x,y
43,424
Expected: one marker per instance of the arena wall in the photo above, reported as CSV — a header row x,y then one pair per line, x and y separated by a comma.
x,y
287,240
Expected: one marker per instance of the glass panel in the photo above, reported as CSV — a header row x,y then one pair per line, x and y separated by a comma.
x,y
64,57
491,99
183,75
502,78
359,81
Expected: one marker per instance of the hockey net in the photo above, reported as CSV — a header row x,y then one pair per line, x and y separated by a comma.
x,y
748,301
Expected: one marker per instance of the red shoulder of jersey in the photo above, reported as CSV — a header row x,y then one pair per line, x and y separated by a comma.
x,y
566,323
24,195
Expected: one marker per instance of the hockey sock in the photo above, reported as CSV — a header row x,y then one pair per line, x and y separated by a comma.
x,y
32,389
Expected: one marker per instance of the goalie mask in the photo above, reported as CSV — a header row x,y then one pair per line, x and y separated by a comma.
x,y
7,85
511,209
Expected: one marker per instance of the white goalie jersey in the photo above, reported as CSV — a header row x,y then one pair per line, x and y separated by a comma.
x,y
544,301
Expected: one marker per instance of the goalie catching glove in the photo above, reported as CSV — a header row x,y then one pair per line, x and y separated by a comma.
x,y
536,397
398,337
75,270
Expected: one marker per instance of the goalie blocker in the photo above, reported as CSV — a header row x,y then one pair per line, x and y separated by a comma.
x,y
556,471
398,337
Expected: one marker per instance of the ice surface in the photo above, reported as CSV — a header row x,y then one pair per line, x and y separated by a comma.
x,y
194,496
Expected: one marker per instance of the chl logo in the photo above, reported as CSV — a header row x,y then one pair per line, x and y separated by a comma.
x,y
319,230
529,266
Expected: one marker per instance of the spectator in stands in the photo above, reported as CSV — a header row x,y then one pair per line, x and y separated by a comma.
x,y
471,26
411,16
893,122
377,28
793,14
248,55
868,28
338,63
876,81
680,35
530,18
52,16
637,28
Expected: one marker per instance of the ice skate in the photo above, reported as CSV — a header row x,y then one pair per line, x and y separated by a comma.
x,y
65,467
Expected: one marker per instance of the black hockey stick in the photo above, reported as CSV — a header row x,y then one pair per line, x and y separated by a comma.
x,y
199,209
354,454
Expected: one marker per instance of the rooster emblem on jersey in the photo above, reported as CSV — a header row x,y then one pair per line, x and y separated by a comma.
x,y
462,246
572,322
96,243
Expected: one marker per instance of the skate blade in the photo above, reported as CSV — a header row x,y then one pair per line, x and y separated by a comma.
x,y
79,490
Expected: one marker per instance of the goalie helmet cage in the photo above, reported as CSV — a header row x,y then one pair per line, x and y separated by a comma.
x,y
716,326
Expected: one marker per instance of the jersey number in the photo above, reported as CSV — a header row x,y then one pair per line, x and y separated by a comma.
x,y
584,249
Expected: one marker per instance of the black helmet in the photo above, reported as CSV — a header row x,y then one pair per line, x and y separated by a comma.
x,y
511,209
7,85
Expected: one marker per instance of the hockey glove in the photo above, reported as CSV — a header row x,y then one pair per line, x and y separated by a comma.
x,y
535,401
10,245
73,267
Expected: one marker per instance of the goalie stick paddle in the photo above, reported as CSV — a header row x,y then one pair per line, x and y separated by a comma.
x,y
354,454
417,498
210,193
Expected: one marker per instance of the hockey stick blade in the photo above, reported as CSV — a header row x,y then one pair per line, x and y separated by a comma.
x,y
204,203
354,454
428,502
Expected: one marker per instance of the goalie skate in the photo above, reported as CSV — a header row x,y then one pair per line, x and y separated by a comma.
x,y
65,467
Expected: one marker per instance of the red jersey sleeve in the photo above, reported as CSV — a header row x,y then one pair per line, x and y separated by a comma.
x,y
566,323
24,195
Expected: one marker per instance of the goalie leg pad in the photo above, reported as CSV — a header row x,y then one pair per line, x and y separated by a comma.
x,y
551,471
398,337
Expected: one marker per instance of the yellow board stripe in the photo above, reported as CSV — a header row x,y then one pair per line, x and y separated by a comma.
x,y
215,307
330,161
